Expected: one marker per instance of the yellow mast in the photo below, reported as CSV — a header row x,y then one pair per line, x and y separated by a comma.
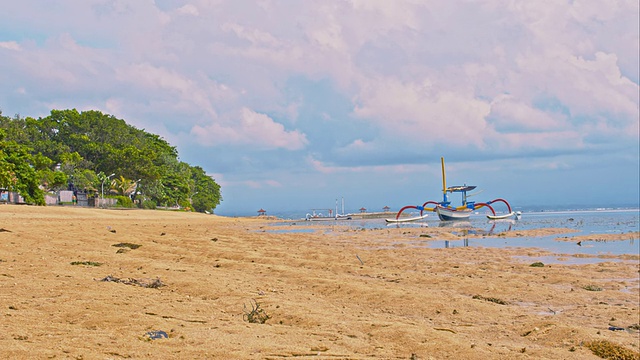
x,y
444,178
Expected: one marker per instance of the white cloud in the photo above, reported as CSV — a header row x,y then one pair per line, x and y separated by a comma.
x,y
181,92
10,45
273,183
252,184
423,111
188,9
514,115
542,141
319,166
358,145
61,62
253,129
261,184
565,54
586,87
391,14
327,169
328,37
154,77
255,36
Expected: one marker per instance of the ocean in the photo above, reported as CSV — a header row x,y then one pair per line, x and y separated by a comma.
x,y
583,222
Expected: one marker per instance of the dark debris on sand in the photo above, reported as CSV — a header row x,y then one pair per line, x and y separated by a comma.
x,y
147,283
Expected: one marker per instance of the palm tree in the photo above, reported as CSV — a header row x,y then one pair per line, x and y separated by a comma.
x,y
122,186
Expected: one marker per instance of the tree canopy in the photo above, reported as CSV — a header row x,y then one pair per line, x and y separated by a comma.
x,y
77,149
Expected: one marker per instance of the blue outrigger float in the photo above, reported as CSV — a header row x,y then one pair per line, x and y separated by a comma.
x,y
446,212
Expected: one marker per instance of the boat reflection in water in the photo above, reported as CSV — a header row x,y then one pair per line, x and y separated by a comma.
x,y
465,243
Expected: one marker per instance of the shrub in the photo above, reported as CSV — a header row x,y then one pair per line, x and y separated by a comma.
x,y
124,201
149,204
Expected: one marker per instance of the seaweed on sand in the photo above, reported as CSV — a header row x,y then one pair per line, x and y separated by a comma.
x,y
127,245
490,299
147,283
88,263
608,350
256,315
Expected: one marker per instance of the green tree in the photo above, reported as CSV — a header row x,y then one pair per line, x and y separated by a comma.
x,y
177,182
85,180
207,192
83,144
52,180
7,173
17,172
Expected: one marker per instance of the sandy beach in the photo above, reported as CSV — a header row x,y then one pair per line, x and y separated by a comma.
x,y
75,286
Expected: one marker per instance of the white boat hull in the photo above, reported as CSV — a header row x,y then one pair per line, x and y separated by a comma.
x,y
499,217
446,214
309,217
400,220
514,214
319,218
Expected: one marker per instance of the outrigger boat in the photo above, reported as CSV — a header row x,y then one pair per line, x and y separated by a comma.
x,y
446,212
400,220
319,217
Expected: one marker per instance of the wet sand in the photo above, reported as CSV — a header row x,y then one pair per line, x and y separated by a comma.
x,y
367,294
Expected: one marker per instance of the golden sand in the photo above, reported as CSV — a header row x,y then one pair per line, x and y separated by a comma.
x,y
368,294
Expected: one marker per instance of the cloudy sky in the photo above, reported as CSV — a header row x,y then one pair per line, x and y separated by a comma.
x,y
293,104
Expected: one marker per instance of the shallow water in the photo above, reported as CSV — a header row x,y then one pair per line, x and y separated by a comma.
x,y
585,222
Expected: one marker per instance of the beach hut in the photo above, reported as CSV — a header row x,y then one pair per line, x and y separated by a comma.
x,y
363,210
262,212
386,209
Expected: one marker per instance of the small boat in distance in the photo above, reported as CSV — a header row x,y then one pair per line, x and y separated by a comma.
x,y
320,217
